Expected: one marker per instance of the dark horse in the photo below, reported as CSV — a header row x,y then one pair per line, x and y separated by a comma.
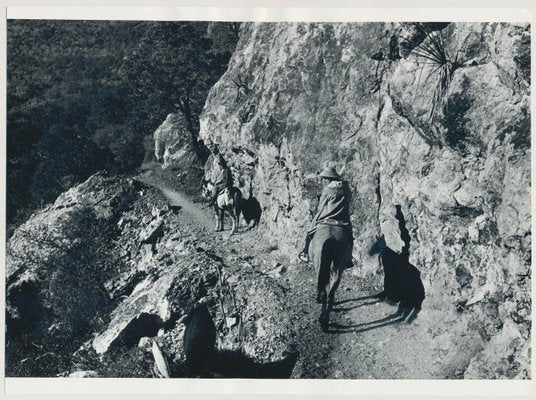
x,y
331,253
402,281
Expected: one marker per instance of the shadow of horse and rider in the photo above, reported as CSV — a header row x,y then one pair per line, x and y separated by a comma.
x,y
331,251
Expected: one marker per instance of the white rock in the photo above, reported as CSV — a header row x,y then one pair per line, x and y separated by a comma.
x,y
83,374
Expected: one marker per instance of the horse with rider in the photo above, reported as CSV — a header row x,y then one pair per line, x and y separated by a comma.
x,y
219,189
329,240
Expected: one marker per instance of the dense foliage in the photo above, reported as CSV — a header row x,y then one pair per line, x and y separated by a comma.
x,y
83,96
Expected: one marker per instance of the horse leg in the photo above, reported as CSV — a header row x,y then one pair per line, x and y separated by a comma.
x,y
235,223
233,220
322,293
321,283
322,298
324,313
236,218
217,217
334,281
221,217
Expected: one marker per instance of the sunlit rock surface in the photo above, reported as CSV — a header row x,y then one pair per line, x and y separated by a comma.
x,y
297,95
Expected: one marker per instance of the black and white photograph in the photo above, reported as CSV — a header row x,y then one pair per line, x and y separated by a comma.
x,y
274,200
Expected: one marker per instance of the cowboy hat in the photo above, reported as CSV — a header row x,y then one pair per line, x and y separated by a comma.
x,y
330,173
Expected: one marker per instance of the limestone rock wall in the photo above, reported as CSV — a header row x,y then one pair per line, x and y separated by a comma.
x,y
297,95
173,143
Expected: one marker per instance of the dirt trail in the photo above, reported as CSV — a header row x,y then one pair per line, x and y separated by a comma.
x,y
192,211
358,349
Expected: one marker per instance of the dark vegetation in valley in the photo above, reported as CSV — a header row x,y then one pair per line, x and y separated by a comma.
x,y
84,96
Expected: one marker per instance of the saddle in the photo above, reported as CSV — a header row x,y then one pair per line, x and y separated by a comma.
x,y
221,192
333,224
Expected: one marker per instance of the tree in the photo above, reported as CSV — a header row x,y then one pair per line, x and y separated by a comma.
x,y
172,70
83,96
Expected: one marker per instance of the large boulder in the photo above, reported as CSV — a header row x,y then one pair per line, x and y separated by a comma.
x,y
173,143
55,260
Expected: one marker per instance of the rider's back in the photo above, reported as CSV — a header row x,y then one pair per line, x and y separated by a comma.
x,y
334,203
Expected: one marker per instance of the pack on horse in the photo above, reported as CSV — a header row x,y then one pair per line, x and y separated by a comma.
x,y
227,200
224,196
329,242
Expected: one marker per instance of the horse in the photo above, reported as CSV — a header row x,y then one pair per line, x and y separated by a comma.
x,y
331,252
229,200
402,281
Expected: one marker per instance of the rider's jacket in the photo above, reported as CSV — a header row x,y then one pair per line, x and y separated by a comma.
x,y
334,204
220,175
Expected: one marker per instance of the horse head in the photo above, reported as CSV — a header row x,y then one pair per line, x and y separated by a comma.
x,y
378,245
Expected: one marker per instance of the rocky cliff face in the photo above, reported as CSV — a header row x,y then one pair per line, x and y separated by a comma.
x,y
433,118
57,260
173,147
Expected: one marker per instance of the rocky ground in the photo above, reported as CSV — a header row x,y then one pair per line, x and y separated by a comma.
x,y
136,254
262,300
362,342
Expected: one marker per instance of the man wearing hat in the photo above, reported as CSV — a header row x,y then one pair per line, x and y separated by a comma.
x,y
220,174
333,207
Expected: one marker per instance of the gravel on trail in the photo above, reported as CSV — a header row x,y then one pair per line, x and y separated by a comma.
x,y
363,342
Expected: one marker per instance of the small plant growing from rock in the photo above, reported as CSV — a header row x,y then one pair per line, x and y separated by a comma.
x,y
234,27
440,64
241,85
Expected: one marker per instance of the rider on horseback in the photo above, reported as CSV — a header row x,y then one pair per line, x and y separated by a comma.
x,y
333,207
220,175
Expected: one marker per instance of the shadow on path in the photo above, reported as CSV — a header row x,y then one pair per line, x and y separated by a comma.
x,y
366,326
337,303
341,309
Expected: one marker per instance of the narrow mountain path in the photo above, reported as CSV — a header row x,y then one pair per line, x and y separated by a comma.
x,y
192,210
364,343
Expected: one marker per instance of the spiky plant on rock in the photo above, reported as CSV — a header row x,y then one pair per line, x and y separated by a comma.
x,y
433,55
